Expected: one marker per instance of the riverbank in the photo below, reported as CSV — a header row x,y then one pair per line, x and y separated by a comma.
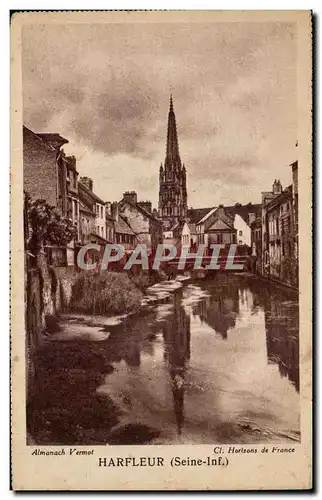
x,y
175,372
64,405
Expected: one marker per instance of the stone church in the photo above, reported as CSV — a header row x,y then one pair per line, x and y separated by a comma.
x,y
172,179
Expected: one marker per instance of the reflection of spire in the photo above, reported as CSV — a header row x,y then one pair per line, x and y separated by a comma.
x,y
177,380
177,352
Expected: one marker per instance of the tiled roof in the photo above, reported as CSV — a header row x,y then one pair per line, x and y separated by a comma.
x,y
208,214
197,214
143,211
44,143
220,214
98,237
84,208
121,226
82,187
280,198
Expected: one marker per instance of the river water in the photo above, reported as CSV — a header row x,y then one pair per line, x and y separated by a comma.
x,y
218,363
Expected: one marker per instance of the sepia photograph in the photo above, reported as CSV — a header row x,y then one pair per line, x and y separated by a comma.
x,y
159,223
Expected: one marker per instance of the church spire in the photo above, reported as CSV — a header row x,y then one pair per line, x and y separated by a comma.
x,y
172,178
172,137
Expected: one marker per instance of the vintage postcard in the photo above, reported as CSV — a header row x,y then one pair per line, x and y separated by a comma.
x,y
161,274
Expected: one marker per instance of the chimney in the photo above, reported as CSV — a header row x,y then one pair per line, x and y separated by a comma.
x,y
295,177
146,205
88,182
115,210
131,197
277,187
71,160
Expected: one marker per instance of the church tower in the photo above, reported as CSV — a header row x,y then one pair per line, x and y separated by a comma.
x,y
172,178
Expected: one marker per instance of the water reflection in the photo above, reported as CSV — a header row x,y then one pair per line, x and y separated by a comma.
x,y
281,314
282,341
176,335
220,309
182,377
281,326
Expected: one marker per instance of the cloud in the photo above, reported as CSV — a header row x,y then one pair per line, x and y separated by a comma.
x,y
106,88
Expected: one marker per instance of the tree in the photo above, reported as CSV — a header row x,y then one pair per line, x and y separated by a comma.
x,y
46,225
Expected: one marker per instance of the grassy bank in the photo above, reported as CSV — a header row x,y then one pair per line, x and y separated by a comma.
x,y
105,293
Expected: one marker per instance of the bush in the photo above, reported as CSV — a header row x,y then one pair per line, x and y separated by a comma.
x,y
105,293
144,279
141,281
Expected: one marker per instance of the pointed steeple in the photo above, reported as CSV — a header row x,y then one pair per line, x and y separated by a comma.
x,y
172,177
172,137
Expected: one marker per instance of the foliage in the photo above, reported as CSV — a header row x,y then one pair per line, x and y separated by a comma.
x,y
144,279
46,225
105,293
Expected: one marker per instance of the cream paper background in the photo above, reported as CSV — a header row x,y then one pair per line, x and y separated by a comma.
x,y
245,471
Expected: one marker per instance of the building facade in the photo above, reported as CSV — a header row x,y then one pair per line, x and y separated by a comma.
x,y
50,175
243,231
172,179
216,227
146,227
110,223
95,204
123,233
267,197
87,223
280,224
295,207
256,244
274,235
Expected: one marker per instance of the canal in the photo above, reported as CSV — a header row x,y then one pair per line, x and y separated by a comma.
x,y
217,363
220,363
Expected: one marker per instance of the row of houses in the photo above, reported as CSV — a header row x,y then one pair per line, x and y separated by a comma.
x,y
51,175
215,225
267,231
274,233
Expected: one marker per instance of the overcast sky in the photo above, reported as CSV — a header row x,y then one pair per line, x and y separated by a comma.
x,y
106,89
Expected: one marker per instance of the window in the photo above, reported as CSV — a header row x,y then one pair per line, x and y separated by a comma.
x,y
288,223
240,233
289,249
